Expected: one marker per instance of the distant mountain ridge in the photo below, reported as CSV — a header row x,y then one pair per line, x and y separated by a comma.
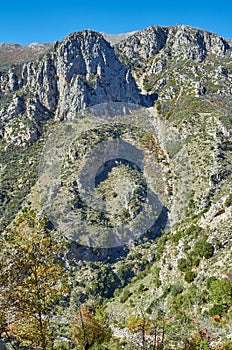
x,y
15,54
23,53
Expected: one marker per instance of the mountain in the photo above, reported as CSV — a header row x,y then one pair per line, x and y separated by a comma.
x,y
166,91
15,53
114,39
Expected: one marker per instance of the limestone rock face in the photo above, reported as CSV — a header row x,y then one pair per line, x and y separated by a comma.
x,y
82,70
197,44
144,44
192,43
16,107
171,60
39,78
89,73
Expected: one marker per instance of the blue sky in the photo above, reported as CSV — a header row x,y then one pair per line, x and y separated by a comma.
x,y
29,21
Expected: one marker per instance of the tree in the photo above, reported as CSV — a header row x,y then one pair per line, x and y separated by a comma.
x,y
190,276
89,328
184,264
32,279
141,325
220,292
204,248
149,330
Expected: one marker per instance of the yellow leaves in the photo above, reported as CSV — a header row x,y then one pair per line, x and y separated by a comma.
x,y
87,329
27,332
136,323
35,281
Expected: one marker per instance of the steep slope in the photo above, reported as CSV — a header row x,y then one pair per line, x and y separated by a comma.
x,y
184,76
167,60
190,70
82,70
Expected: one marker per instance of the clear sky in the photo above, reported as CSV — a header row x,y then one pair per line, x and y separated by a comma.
x,y
27,21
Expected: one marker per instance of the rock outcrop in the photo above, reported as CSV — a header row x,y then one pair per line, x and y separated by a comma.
x,y
89,73
82,70
193,43
165,60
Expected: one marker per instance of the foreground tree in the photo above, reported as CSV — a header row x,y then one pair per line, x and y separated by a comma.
x,y
148,328
89,329
32,280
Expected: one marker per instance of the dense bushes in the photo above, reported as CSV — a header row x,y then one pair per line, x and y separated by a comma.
x,y
220,292
203,248
184,264
190,276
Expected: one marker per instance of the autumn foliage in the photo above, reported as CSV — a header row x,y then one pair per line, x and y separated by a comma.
x,y
32,280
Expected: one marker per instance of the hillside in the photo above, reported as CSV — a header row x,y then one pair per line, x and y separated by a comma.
x,y
126,149
15,53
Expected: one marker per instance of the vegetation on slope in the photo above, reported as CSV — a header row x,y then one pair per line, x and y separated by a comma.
x,y
172,287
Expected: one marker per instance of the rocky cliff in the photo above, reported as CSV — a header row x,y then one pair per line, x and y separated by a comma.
x,y
182,77
85,70
167,60
82,70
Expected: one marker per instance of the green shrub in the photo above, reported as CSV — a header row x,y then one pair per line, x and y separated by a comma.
x,y
166,291
203,248
125,296
221,292
218,310
160,246
190,276
210,280
195,260
156,279
147,85
177,236
194,231
116,292
176,289
184,264
228,201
